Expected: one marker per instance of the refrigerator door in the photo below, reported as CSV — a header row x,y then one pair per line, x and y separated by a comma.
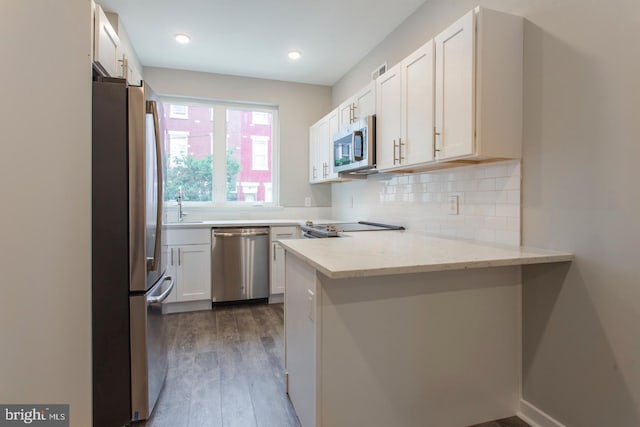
x,y
148,348
145,191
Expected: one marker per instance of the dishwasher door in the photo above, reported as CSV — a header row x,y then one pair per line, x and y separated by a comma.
x,y
239,263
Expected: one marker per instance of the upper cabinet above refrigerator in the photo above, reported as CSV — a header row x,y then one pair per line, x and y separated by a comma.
x,y
113,55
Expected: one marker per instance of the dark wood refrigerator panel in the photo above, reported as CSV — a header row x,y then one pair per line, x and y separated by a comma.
x,y
110,272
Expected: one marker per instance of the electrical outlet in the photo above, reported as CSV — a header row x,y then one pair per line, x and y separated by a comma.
x,y
453,205
307,202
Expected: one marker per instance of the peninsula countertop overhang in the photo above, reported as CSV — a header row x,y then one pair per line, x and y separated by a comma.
x,y
367,254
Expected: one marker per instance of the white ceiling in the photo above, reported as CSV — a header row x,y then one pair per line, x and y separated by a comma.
x,y
252,37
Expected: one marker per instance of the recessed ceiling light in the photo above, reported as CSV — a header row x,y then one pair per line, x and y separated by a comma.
x,y
183,38
294,54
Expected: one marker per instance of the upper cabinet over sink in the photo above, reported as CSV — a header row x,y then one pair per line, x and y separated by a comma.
x,y
457,99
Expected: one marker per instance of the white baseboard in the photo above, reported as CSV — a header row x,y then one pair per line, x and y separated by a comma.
x,y
181,307
536,417
276,298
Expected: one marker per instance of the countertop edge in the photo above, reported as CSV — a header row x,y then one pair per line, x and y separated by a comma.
x,y
451,266
233,223
507,261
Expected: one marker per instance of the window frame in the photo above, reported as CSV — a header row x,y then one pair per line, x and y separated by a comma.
x,y
218,138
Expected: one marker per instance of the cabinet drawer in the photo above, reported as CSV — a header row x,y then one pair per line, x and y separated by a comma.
x,y
188,236
278,233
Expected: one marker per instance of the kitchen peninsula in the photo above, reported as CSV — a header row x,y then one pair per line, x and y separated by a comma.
x,y
405,329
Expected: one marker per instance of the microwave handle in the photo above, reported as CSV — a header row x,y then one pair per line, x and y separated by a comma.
x,y
358,138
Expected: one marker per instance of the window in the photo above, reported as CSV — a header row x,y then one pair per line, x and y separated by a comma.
x,y
259,153
178,141
260,118
219,157
178,111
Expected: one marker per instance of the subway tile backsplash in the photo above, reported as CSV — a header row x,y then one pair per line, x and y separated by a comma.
x,y
488,201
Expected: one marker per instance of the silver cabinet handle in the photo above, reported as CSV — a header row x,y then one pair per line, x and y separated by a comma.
x,y
171,256
395,147
179,255
163,296
274,251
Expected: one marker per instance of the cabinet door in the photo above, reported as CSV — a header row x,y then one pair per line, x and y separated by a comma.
x,y
194,272
313,154
388,118
277,268
323,149
417,76
334,127
455,89
106,41
365,102
346,112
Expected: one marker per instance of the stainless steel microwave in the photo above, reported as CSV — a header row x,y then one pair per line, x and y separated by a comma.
x,y
354,146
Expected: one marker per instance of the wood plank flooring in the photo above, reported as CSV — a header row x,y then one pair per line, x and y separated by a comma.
x,y
226,369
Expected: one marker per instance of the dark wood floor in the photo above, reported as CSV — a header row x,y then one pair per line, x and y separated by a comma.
x,y
505,422
226,369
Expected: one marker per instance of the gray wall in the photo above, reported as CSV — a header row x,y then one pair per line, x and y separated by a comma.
x,y
300,105
581,360
45,220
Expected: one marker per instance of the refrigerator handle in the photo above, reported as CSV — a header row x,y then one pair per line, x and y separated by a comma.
x,y
152,108
157,299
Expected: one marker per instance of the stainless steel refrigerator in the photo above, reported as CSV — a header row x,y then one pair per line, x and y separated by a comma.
x,y
128,272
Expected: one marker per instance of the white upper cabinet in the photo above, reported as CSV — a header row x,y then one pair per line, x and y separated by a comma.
x,y
455,94
478,96
359,106
418,106
112,52
105,44
405,102
388,118
321,149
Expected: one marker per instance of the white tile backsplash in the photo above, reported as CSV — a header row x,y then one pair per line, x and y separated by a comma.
x,y
488,196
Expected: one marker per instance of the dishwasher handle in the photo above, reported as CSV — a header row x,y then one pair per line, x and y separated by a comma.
x,y
241,232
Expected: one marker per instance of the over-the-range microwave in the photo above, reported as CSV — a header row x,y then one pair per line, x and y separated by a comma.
x,y
354,147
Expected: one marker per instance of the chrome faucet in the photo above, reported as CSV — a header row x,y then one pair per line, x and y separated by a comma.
x,y
179,199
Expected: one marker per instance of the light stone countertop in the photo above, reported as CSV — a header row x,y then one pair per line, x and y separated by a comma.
x,y
379,253
241,223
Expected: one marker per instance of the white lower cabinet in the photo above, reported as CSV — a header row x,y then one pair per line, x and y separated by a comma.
x,y
277,256
188,261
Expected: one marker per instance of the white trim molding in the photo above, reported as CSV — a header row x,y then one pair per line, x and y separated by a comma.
x,y
536,417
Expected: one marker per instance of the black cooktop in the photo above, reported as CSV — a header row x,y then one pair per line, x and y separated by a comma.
x,y
312,230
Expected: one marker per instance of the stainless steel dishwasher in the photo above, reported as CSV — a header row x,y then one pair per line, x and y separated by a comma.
x,y
239,263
